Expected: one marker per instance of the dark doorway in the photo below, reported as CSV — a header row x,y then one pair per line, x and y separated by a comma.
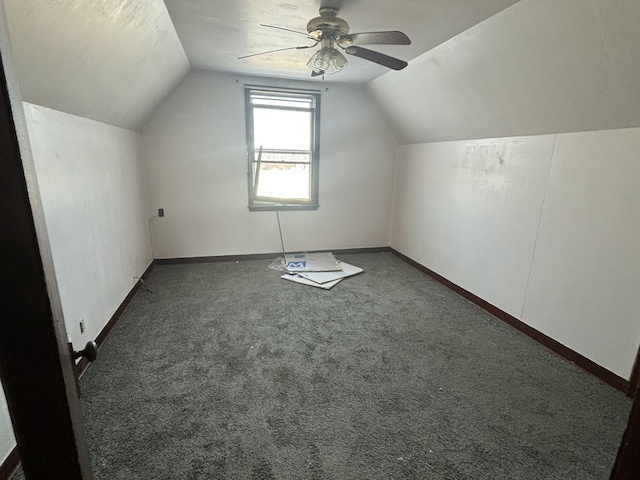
x,y
35,361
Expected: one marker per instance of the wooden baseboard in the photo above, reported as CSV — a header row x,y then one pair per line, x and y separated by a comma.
x,y
82,365
556,347
10,465
261,256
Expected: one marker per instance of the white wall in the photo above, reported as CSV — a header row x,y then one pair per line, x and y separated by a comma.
x,y
195,148
469,211
91,178
540,222
584,281
544,227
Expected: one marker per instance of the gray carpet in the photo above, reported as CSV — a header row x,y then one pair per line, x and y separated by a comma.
x,y
227,371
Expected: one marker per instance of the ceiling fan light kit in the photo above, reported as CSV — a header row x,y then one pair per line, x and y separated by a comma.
x,y
332,33
327,60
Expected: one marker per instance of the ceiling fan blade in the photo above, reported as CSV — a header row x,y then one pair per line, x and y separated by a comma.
x,y
277,50
376,38
287,30
376,57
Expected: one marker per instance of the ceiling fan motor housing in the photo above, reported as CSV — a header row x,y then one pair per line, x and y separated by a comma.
x,y
328,25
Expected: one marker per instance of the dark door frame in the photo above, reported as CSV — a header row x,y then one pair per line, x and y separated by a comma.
x,y
634,381
35,362
627,466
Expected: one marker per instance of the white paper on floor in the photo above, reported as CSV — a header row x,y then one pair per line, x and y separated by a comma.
x,y
324,277
324,280
304,281
311,262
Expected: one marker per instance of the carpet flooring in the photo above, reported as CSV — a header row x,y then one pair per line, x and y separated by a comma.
x,y
226,371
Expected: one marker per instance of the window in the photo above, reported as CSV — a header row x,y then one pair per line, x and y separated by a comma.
x,y
282,143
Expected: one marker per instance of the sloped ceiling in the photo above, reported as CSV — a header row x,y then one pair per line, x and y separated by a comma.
x,y
477,68
541,66
215,33
108,60
115,61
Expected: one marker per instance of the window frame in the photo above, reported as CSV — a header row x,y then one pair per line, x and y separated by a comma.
x,y
270,204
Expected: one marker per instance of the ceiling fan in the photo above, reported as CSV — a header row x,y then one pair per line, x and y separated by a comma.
x,y
332,34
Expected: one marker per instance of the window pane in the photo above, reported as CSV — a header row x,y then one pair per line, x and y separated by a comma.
x,y
304,157
284,181
283,126
281,129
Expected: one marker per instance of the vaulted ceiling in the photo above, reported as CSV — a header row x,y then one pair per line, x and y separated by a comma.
x,y
115,61
107,60
539,67
214,33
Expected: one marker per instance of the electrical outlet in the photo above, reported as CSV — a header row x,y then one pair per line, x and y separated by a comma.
x,y
82,326
161,212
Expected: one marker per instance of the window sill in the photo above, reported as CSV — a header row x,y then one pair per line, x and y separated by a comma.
x,y
270,207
